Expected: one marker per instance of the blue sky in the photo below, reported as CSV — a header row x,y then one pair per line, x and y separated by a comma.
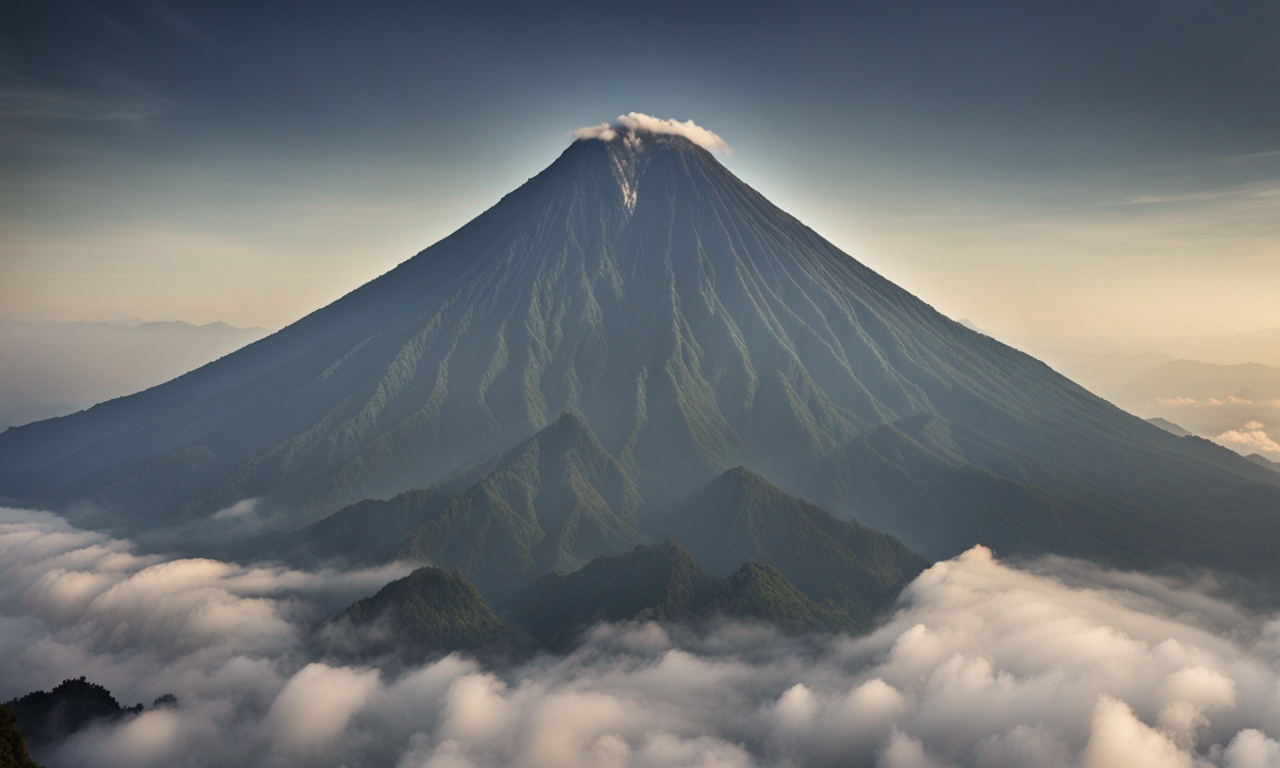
x,y
1084,168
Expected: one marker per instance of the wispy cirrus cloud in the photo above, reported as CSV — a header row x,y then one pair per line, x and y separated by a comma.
x,y
74,117
24,101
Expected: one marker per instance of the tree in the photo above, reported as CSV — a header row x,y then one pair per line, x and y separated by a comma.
x,y
13,748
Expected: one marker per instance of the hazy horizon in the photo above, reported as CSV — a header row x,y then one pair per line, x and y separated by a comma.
x,y
1096,275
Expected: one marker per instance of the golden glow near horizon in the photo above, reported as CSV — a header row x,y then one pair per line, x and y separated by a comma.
x,y
1108,266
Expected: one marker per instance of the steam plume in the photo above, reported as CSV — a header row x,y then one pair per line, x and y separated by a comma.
x,y
633,122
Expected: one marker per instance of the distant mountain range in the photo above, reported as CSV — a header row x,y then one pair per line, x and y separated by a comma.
x,y
582,369
1259,346
53,369
1151,378
1206,399
1169,426
1263,461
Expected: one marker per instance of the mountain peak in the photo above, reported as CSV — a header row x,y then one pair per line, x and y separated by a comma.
x,y
632,157
635,129
741,480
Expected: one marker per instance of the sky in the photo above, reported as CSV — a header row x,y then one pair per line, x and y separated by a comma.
x,y
1085,169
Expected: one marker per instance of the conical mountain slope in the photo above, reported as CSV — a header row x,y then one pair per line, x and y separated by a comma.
x,y
694,325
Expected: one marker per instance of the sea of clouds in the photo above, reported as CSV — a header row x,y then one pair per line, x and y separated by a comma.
x,y
1051,663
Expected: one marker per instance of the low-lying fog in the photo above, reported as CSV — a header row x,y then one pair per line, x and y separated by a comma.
x,y
1053,663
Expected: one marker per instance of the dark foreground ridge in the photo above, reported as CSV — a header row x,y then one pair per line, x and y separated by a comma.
x,y
13,747
44,718
692,327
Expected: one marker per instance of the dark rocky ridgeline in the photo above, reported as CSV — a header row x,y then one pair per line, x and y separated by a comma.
x,y
46,717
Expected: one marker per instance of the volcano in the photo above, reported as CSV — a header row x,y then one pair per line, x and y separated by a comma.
x,y
690,327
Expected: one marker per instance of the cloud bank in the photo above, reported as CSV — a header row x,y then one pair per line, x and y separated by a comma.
x,y
1251,436
636,122
1055,664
